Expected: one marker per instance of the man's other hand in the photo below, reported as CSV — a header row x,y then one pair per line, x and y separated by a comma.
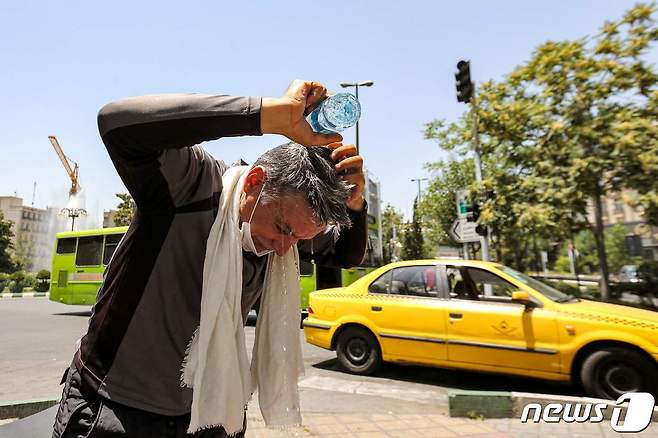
x,y
349,166
286,115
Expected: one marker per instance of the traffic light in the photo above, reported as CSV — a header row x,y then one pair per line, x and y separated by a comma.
x,y
473,213
464,84
473,216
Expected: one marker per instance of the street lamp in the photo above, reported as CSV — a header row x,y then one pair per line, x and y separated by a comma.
x,y
73,213
356,86
419,180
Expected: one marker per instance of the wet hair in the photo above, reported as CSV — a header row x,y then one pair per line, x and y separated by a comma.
x,y
294,170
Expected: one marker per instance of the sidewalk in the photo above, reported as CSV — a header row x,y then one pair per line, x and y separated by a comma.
x,y
338,414
430,426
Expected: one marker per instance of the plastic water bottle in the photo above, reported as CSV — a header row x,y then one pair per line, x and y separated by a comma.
x,y
335,114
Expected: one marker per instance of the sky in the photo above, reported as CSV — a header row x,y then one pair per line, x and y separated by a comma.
x,y
62,61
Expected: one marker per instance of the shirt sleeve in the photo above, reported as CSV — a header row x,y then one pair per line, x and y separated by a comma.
x,y
151,141
345,251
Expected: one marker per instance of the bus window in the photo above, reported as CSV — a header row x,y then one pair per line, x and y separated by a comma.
x,y
90,249
66,246
305,268
111,243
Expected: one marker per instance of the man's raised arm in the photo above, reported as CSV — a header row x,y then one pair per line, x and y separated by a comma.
x,y
138,126
142,133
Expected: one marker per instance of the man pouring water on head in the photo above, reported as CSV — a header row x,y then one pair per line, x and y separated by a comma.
x,y
164,353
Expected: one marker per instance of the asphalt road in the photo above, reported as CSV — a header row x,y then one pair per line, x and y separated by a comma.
x,y
38,340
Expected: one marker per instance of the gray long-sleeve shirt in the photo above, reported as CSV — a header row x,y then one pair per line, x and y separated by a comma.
x,y
149,304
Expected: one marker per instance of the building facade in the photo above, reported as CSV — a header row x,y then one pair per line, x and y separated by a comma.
x,y
641,238
108,218
34,230
374,254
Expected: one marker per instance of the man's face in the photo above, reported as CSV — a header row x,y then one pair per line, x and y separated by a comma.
x,y
280,223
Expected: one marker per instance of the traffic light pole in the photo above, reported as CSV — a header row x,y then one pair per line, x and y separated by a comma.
x,y
466,94
478,168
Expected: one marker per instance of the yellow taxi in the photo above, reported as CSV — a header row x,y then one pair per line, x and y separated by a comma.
x,y
486,317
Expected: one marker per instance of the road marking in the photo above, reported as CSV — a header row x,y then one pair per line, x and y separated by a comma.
x,y
373,389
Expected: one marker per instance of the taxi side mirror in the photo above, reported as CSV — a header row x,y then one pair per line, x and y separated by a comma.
x,y
522,297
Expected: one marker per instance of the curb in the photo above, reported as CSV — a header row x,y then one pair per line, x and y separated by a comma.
x,y
25,408
501,404
24,295
473,404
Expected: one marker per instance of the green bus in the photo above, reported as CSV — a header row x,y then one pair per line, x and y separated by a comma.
x,y
80,259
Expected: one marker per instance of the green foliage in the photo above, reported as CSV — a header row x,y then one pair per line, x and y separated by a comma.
x,y
438,208
585,244
29,281
42,281
18,281
391,218
4,281
562,265
125,210
7,265
18,276
648,273
413,247
616,248
592,291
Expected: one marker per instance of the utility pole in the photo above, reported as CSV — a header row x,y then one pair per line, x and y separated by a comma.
x,y
466,94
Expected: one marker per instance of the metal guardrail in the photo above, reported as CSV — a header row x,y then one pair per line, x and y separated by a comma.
x,y
584,280
564,277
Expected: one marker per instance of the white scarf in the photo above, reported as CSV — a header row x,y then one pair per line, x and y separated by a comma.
x,y
216,364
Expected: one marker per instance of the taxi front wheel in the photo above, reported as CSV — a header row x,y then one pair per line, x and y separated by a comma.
x,y
358,351
611,372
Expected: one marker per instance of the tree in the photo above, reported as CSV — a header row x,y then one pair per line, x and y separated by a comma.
x,y
574,123
413,247
595,90
125,210
7,264
644,179
392,219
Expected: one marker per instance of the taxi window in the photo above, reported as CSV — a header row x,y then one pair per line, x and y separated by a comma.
x,y
419,281
489,284
468,283
382,285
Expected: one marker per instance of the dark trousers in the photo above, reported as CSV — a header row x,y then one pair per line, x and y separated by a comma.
x,y
83,413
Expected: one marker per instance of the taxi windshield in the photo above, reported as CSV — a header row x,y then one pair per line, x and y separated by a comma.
x,y
548,291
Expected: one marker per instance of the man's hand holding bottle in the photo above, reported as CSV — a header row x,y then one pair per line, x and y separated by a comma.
x,y
286,116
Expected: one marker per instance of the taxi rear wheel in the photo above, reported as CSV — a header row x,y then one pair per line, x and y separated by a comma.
x,y
358,351
611,372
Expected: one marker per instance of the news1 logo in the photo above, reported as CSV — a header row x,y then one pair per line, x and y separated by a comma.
x,y
638,412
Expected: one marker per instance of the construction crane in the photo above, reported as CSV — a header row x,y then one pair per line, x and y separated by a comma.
x,y
72,210
67,162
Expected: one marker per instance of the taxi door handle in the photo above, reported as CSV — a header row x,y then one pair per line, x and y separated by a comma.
x,y
376,308
456,316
